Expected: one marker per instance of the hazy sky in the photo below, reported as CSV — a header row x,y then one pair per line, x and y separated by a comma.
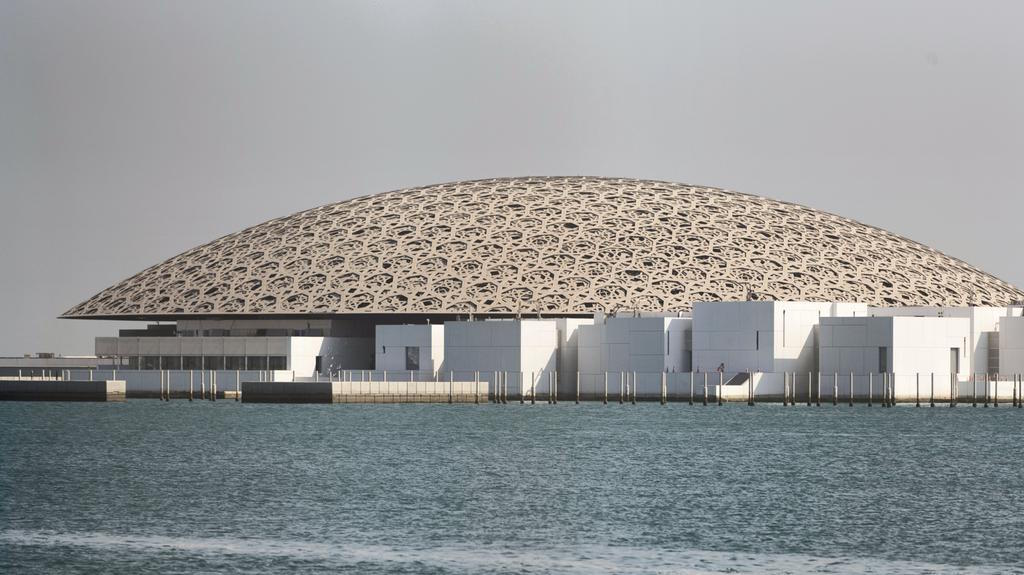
x,y
131,131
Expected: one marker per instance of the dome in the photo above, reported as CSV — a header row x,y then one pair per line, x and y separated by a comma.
x,y
554,246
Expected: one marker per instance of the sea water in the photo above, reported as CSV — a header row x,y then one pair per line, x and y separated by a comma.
x,y
153,487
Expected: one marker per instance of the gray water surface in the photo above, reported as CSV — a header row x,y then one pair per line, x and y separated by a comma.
x,y
145,486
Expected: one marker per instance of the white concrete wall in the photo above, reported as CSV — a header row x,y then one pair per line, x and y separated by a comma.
x,y
982,320
913,346
1011,346
568,353
520,348
770,337
645,346
392,340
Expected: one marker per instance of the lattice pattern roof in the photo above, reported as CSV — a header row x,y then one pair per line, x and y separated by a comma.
x,y
553,245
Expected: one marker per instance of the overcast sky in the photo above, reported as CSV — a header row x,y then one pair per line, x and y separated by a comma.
x,y
131,131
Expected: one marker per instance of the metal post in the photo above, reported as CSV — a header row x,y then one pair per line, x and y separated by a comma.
x,y
984,390
577,387
819,389
533,388
721,382
952,390
871,385
622,385
606,388
238,385
931,394
451,385
851,389
995,391
476,387
634,388
835,389
705,388
664,387
809,389
785,388
917,393
974,390
692,376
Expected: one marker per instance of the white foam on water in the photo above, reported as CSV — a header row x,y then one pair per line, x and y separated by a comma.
x,y
568,560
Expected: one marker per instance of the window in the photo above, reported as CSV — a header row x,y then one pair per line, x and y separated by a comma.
x,y
170,362
258,362
214,362
192,362
319,364
278,362
954,360
150,362
883,360
412,358
234,362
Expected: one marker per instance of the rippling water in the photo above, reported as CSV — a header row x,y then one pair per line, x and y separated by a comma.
x,y
146,486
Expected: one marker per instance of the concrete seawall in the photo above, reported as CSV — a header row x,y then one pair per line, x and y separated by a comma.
x,y
58,390
363,392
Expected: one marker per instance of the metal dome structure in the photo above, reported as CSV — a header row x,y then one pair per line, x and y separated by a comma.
x,y
551,246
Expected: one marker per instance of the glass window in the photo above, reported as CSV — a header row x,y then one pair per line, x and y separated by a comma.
x,y
234,362
151,362
256,362
278,362
883,360
213,362
170,362
412,358
192,362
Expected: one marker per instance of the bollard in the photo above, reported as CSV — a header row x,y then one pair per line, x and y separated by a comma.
x,y
622,385
577,387
974,390
984,390
917,392
554,385
191,385
202,384
819,389
995,392
451,386
931,394
634,388
835,389
606,388
705,389
476,387
785,388
952,390
533,388
851,389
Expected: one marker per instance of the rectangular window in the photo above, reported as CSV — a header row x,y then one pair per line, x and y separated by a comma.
x,y
170,362
319,364
234,362
278,362
412,358
213,362
151,362
258,362
883,360
954,360
192,362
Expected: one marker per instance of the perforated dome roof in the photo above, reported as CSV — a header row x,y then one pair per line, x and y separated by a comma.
x,y
571,245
